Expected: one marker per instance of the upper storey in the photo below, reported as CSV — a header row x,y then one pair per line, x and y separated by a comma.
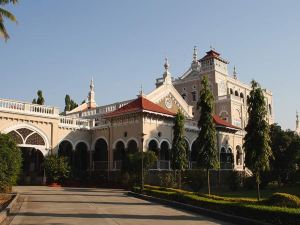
x,y
213,62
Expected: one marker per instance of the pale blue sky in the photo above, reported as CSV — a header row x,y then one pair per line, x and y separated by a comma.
x,y
59,44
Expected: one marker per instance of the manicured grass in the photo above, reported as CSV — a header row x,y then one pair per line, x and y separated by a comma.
x,y
252,194
245,207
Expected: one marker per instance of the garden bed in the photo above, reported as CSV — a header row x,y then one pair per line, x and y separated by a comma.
x,y
245,208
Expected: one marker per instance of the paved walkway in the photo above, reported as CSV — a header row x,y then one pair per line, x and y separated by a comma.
x,y
90,206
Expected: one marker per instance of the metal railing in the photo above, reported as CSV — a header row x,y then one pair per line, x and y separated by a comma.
x,y
161,165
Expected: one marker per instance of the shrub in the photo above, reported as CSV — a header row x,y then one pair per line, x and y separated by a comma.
x,y
10,162
283,200
56,168
263,213
167,179
235,180
194,179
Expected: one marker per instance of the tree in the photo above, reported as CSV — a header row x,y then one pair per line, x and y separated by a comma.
x,y
4,14
57,168
206,142
285,147
10,162
257,139
179,159
40,100
69,103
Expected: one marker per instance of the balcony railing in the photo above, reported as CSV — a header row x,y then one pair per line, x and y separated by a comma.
x,y
74,122
27,108
161,165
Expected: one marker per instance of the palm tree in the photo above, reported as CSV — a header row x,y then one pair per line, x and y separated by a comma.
x,y
4,14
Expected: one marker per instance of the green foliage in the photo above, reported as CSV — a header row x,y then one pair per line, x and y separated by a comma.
x,y
70,104
4,14
286,150
179,160
167,179
57,168
207,148
245,208
40,99
10,162
257,139
194,179
283,200
132,166
235,180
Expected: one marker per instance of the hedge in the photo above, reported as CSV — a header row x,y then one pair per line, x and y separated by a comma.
x,y
251,210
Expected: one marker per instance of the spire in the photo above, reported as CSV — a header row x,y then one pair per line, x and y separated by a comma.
x,y
195,63
141,92
167,75
195,56
91,96
92,84
234,73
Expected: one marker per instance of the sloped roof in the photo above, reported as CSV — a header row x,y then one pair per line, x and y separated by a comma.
x,y
223,123
139,105
213,54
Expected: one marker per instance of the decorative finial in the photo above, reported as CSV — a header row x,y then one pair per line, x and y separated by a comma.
x,y
166,65
297,115
234,73
212,48
141,92
195,54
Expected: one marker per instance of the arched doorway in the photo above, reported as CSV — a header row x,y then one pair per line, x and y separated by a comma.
x,y
164,155
81,157
65,149
119,155
100,157
33,145
226,158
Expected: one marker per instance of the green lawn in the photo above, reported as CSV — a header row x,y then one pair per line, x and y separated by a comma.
x,y
265,193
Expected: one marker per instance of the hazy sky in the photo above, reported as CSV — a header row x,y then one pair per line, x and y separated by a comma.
x,y
59,44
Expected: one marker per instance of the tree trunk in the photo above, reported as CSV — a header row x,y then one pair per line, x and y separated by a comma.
x,y
179,183
258,189
208,182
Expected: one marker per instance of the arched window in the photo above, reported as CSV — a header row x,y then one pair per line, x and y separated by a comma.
x,y
241,95
231,91
132,146
236,93
101,150
183,96
65,149
119,153
270,109
164,153
226,158
153,146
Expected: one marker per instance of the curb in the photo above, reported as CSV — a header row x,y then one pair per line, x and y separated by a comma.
x,y
203,211
6,211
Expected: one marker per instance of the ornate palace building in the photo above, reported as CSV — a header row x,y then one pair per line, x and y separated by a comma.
x,y
96,138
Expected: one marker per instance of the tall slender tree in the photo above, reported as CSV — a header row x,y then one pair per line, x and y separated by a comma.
x,y
70,104
40,99
207,147
179,160
4,14
257,139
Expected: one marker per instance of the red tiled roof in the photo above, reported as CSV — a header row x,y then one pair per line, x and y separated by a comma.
x,y
223,123
139,105
211,54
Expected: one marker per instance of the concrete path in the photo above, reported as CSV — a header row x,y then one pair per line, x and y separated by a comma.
x,y
90,206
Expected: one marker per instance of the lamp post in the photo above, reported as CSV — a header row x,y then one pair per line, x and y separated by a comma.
x,y
142,147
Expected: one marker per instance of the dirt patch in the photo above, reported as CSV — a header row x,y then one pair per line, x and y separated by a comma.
x,y
4,200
